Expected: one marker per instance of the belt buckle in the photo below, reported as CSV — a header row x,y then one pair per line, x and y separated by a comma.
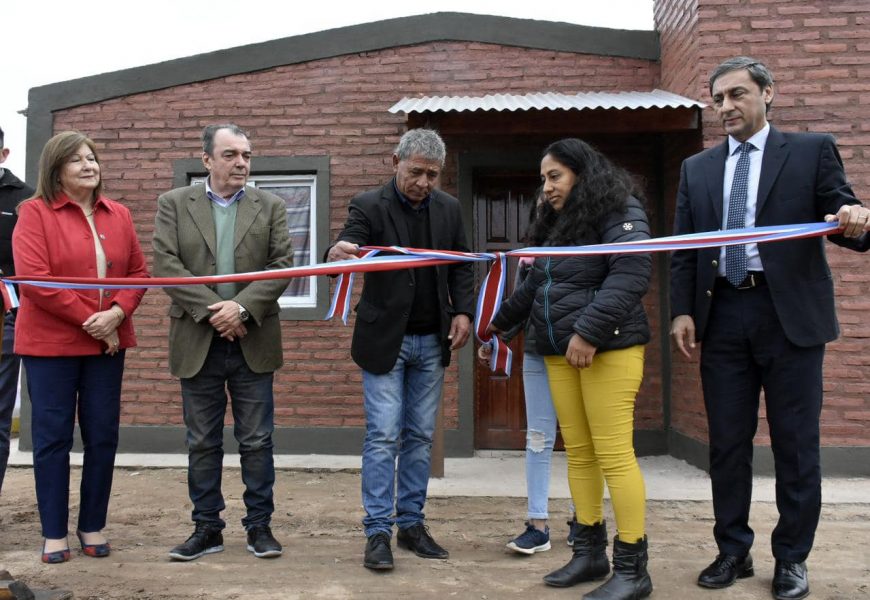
x,y
748,286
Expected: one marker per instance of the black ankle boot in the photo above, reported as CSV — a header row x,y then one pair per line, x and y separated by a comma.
x,y
630,580
589,560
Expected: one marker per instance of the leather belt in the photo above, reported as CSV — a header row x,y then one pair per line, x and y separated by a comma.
x,y
753,279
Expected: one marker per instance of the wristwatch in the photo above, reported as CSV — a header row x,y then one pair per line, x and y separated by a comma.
x,y
244,315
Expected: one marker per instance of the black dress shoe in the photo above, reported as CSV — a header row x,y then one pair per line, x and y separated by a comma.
x,y
725,570
790,580
378,555
417,539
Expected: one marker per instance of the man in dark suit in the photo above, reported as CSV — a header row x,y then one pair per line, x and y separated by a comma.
x,y
227,336
763,314
12,192
407,323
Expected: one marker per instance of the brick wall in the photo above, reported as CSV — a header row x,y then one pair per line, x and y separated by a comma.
x,y
819,53
335,107
679,31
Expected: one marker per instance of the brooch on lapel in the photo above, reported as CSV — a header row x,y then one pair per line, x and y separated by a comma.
x,y
628,226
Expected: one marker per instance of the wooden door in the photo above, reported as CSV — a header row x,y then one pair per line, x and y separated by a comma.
x,y
501,216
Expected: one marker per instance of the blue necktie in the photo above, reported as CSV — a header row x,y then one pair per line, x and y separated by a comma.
x,y
735,256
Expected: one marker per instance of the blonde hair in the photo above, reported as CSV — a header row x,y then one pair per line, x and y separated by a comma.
x,y
55,155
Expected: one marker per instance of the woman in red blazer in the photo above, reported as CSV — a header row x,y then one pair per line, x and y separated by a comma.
x,y
72,342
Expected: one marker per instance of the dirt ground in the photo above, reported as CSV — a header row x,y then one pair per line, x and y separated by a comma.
x,y
318,520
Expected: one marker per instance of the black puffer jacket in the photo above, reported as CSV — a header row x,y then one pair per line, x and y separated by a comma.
x,y
597,297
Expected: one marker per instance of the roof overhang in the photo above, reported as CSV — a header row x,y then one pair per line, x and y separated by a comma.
x,y
367,37
547,112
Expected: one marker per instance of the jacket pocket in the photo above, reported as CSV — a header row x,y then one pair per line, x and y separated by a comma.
x,y
175,311
367,312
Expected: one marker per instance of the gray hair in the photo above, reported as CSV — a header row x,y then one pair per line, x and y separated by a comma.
x,y
425,143
210,131
757,70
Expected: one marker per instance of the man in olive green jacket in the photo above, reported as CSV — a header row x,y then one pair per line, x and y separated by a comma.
x,y
227,336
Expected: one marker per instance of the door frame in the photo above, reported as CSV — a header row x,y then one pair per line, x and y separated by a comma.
x,y
462,440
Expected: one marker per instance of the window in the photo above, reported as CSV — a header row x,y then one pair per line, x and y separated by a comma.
x,y
303,184
297,192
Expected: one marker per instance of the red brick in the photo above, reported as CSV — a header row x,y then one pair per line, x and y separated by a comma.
x,y
772,24
826,22
831,48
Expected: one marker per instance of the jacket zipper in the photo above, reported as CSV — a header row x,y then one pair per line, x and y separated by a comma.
x,y
547,305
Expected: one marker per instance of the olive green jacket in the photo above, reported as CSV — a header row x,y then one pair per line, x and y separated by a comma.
x,y
185,246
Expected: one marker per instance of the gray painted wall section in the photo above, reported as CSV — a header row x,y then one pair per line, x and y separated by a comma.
x,y
390,33
836,461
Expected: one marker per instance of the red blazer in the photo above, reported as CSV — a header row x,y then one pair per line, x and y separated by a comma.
x,y
56,240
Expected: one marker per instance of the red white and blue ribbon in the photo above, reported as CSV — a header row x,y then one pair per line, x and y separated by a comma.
x,y
491,293
488,303
343,290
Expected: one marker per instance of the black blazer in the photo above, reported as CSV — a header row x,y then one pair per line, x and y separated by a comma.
x,y
12,192
802,179
375,219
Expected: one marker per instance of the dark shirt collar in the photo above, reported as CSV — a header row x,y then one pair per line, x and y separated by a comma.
x,y
423,205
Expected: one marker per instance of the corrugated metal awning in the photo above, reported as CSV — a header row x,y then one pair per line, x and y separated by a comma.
x,y
546,101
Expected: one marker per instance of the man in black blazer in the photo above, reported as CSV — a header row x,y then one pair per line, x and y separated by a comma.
x,y
408,322
763,314
12,192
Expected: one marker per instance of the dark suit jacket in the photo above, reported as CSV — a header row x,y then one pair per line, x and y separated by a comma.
x,y
185,246
12,192
802,180
375,218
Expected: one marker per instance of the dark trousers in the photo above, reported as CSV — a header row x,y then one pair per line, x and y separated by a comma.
x,y
204,399
744,351
10,364
59,388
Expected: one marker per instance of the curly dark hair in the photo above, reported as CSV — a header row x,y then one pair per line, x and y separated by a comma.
x,y
602,188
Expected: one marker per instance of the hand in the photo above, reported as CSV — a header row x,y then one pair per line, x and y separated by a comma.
x,y
492,330
683,332
580,352
225,318
239,332
854,219
460,328
484,353
342,251
113,344
101,324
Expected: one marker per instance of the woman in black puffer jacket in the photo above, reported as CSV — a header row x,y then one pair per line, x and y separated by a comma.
x,y
591,327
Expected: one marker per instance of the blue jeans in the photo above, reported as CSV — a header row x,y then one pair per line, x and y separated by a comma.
x,y
540,434
10,364
60,386
204,400
400,407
